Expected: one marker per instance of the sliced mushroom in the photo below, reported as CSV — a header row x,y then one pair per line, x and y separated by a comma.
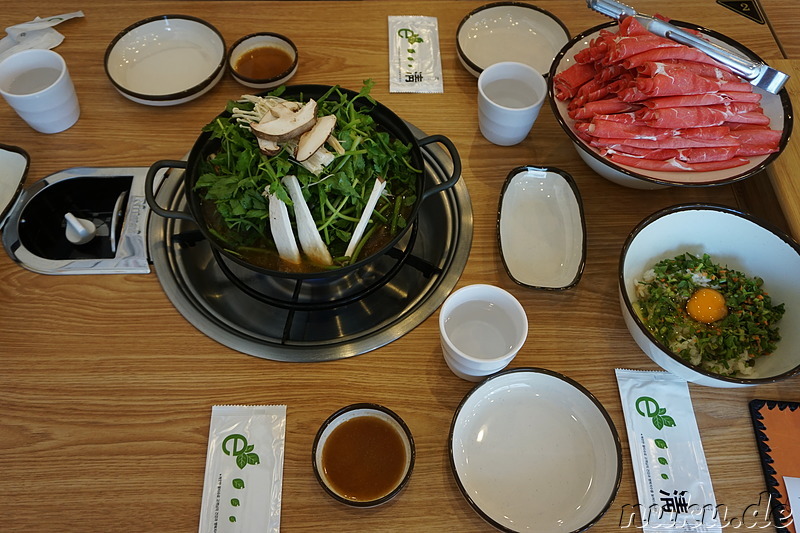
x,y
288,125
307,232
267,147
314,138
280,110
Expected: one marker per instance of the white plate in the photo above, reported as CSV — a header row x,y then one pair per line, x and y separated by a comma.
x,y
540,227
777,107
14,162
534,451
166,60
509,31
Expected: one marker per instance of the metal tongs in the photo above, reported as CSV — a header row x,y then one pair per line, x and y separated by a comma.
x,y
756,72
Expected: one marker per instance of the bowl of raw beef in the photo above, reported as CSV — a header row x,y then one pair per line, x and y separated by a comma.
x,y
646,112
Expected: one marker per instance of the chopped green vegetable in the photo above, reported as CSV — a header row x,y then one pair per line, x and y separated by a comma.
x,y
728,346
236,176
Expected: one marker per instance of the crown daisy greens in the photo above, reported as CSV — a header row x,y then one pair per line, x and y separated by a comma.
x,y
342,179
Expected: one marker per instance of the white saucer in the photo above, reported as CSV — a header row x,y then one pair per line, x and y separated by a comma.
x,y
534,451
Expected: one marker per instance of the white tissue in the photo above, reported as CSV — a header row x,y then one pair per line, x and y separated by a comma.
x,y
38,33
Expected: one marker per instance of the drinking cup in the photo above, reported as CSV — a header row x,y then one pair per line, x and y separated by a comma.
x,y
510,96
37,85
482,327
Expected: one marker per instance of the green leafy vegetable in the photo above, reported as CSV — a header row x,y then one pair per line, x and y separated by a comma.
x,y
728,346
235,177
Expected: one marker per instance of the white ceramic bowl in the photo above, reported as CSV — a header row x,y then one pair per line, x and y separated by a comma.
x,y
541,228
166,60
777,107
509,31
365,450
534,451
482,327
263,43
731,238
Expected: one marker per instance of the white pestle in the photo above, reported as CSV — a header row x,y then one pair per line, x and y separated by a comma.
x,y
79,230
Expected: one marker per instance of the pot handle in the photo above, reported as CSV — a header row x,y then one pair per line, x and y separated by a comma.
x,y
149,192
456,174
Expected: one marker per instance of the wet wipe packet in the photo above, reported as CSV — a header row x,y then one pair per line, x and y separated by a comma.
x,y
244,469
672,478
415,64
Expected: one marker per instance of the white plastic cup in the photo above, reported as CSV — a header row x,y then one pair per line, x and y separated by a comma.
x,y
482,327
510,96
37,85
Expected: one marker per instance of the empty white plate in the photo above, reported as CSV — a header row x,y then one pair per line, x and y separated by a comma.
x,y
534,451
166,60
14,162
541,229
509,31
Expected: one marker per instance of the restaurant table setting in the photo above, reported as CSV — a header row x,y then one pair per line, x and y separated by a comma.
x,y
371,266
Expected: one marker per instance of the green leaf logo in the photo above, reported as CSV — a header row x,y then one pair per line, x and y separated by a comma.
x,y
647,406
236,446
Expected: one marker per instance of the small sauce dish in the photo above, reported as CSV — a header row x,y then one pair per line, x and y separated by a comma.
x,y
363,455
541,228
263,60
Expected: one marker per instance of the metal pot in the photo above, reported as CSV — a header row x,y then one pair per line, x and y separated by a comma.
x,y
382,115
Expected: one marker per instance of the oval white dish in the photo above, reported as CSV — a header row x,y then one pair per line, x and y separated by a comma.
x,y
541,228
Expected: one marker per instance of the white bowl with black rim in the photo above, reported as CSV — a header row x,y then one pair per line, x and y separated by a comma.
x,y
541,229
533,450
166,60
509,31
735,240
777,107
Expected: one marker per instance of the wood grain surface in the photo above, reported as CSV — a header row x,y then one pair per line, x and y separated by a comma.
x,y
106,390
783,173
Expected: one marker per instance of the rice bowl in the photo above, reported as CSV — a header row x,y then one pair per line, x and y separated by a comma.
x,y
732,238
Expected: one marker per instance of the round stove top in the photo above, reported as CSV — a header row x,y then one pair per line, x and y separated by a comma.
x,y
245,311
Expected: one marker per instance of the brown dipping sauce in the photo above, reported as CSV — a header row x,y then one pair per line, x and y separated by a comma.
x,y
264,62
364,458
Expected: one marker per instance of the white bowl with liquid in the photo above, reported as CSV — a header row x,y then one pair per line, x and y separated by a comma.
x,y
482,328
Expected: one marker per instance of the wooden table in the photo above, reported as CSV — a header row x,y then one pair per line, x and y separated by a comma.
x,y
106,390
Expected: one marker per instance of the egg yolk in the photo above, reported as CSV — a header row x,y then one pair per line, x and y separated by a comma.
x,y
707,306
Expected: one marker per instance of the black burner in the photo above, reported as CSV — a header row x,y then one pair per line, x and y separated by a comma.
x,y
316,320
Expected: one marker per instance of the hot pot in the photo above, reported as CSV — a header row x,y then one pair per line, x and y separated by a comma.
x,y
388,120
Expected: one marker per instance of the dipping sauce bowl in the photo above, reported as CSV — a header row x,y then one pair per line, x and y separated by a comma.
x,y
263,60
363,455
